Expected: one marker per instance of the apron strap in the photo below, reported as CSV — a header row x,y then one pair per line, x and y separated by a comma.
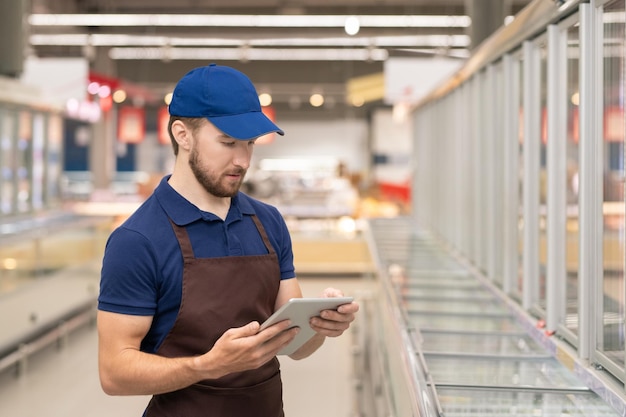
x,y
183,240
261,229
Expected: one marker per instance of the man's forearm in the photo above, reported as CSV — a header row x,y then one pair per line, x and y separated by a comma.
x,y
138,373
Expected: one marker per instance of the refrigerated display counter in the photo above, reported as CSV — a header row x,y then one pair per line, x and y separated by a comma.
x,y
437,341
49,276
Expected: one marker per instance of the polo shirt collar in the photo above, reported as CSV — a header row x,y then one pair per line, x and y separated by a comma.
x,y
182,212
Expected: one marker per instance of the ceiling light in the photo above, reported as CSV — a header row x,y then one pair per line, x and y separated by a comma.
x,y
352,25
357,101
316,100
410,41
252,54
265,99
225,20
119,96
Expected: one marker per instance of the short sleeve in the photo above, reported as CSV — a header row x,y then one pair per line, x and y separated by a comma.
x,y
129,275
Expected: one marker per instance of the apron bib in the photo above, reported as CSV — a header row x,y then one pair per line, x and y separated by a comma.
x,y
218,294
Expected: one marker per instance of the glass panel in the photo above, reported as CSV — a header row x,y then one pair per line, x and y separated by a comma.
x,y
498,178
482,159
479,403
24,161
481,343
38,167
518,290
7,162
454,306
543,175
612,340
494,371
571,148
477,292
458,323
53,163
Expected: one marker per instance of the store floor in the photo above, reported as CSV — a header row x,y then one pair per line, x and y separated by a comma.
x,y
63,382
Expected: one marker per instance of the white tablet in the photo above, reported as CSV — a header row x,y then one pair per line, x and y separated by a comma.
x,y
299,311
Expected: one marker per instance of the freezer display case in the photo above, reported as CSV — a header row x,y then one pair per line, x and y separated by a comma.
x,y
441,342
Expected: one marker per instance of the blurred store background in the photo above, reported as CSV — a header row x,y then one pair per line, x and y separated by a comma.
x,y
84,89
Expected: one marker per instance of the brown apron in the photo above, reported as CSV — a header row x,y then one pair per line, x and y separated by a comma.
x,y
218,294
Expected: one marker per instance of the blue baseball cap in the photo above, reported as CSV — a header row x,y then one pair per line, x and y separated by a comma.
x,y
226,97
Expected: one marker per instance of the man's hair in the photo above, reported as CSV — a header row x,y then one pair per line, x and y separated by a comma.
x,y
193,123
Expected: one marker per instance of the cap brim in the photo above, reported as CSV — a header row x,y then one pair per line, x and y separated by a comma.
x,y
245,126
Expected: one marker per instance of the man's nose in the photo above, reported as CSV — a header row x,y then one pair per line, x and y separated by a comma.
x,y
243,155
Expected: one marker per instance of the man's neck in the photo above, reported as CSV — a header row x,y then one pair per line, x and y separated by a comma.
x,y
193,192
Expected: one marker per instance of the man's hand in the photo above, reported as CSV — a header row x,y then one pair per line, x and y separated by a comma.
x,y
245,348
333,323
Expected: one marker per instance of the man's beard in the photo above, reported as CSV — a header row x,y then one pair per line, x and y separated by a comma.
x,y
212,184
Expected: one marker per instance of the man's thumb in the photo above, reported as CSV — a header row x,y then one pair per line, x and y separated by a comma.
x,y
251,328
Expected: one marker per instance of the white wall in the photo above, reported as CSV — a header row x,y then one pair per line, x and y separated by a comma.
x,y
345,140
393,140
410,79
59,79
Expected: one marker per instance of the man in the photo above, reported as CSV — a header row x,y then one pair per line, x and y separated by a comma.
x,y
187,279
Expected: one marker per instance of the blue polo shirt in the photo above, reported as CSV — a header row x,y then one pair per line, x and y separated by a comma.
x,y
142,267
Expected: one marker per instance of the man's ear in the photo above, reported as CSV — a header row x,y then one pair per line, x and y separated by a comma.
x,y
182,135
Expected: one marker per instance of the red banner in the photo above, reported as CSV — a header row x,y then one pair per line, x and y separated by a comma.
x,y
131,124
163,119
